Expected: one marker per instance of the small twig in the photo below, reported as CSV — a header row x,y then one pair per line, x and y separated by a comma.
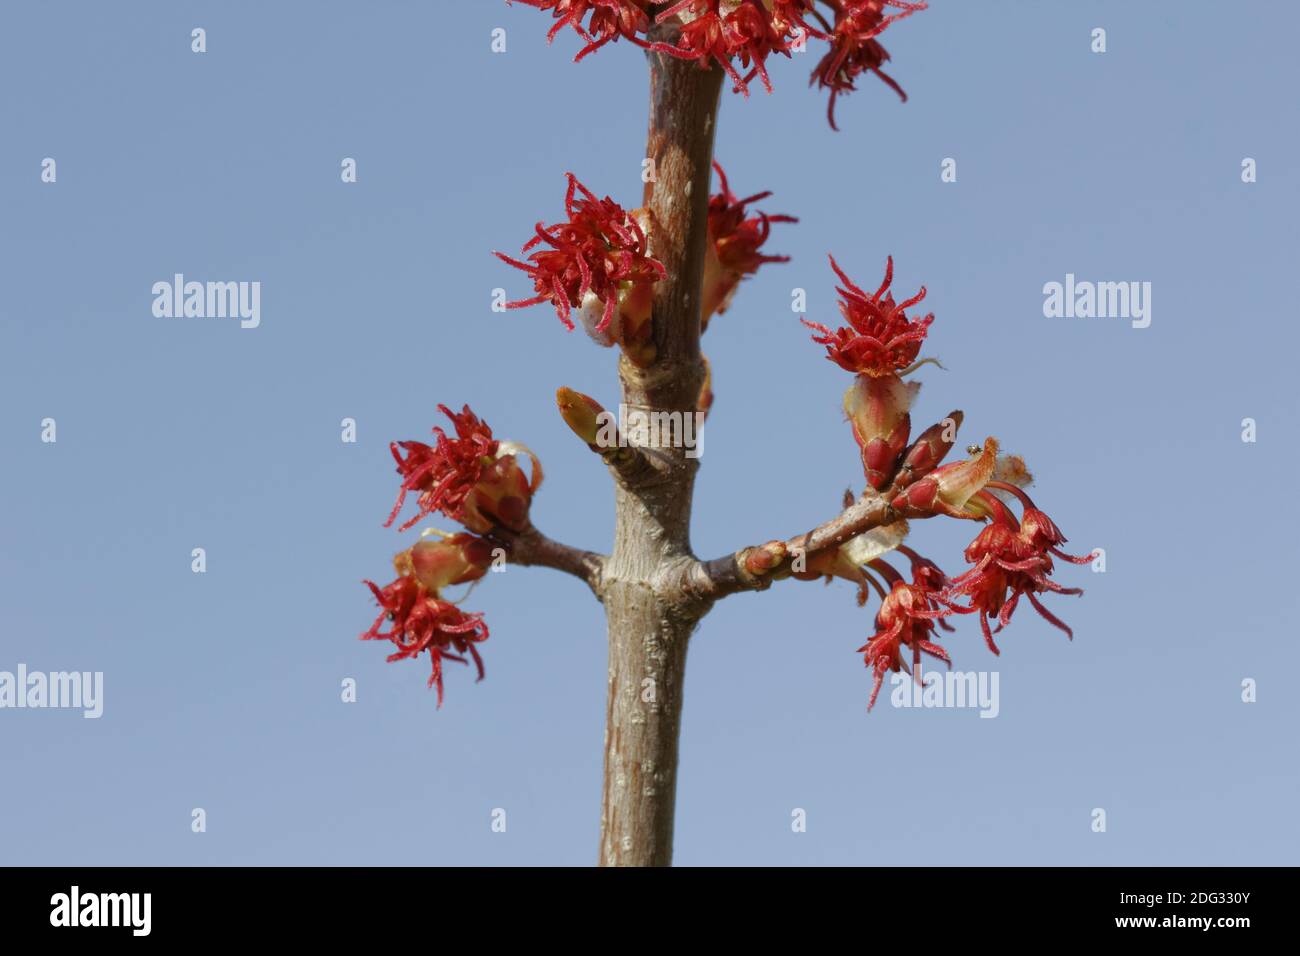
x,y
630,463
754,568
532,548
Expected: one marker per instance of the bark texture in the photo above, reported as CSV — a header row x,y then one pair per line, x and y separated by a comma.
x,y
650,618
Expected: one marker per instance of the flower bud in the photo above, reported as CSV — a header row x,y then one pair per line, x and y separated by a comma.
x,y
877,407
716,287
635,303
437,563
947,490
502,495
733,252
928,450
597,262
635,308
472,478
761,560
582,413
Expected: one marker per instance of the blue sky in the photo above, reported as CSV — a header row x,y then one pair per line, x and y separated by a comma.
x,y
222,688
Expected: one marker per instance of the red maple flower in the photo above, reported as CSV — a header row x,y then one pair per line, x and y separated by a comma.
x,y
1038,529
704,36
421,621
601,250
736,238
445,473
789,17
854,48
609,20
880,339
929,578
753,35
906,619
472,478
1009,562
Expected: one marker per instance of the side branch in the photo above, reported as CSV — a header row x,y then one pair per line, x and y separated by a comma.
x,y
532,548
753,569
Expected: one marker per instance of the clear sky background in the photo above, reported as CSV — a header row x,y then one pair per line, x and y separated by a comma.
x,y
222,690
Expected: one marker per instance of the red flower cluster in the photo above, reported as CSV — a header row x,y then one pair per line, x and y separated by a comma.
x,y
740,35
599,257
477,480
736,237
445,473
880,339
907,618
881,344
607,20
720,30
472,478
421,619
1012,558
855,49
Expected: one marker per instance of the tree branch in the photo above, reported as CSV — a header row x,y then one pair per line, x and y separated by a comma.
x,y
531,548
627,461
754,568
630,463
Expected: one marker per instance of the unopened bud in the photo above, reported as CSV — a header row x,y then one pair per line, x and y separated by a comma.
x,y
947,490
877,407
581,413
765,557
929,450
503,493
439,562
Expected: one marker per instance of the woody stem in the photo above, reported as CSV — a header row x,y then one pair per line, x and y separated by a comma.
x,y
532,548
650,619
710,580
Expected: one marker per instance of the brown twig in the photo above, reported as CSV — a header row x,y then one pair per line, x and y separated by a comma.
x,y
532,548
754,568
